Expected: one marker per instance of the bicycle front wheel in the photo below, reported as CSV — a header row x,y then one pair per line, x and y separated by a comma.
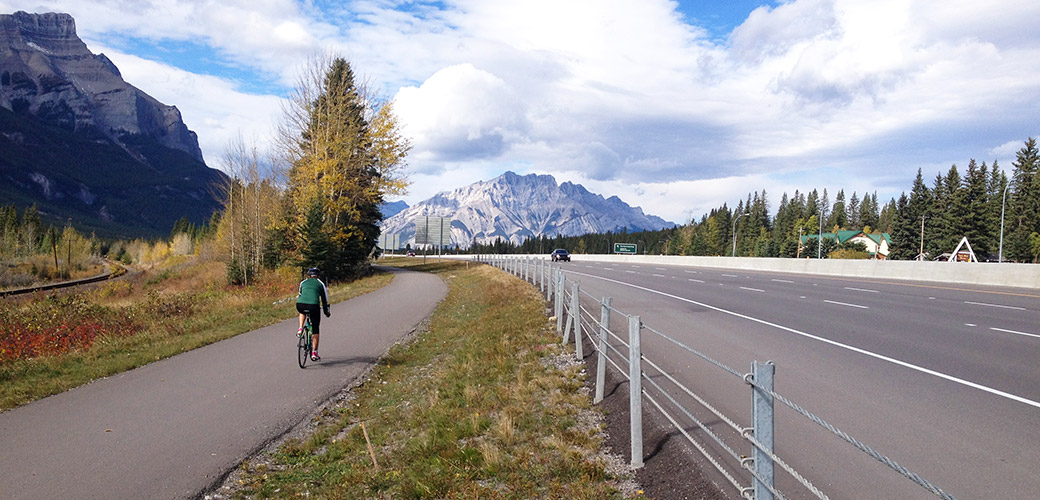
x,y
304,348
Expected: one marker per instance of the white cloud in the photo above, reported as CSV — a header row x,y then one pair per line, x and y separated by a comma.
x,y
623,94
461,112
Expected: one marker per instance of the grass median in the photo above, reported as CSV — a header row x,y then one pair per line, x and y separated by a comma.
x,y
486,403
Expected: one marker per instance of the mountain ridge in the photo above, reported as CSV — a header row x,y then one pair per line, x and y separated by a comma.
x,y
87,147
515,207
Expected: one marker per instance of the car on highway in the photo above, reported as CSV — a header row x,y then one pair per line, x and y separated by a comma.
x,y
560,255
410,253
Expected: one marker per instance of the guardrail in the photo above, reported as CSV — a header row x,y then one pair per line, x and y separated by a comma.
x,y
753,475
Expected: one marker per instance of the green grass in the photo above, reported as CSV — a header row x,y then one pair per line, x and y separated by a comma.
x,y
172,322
486,404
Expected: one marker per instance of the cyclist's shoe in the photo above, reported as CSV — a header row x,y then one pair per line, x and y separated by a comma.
x,y
314,356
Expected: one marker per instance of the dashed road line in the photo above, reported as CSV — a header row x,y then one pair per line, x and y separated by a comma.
x,y
1015,332
782,281
994,305
752,289
862,289
846,304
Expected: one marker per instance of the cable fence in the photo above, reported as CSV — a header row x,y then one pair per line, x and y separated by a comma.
x,y
617,345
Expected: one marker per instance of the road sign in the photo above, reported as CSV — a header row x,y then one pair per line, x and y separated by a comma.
x,y
434,231
625,248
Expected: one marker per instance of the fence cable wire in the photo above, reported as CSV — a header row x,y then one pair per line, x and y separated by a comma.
x,y
748,463
695,443
698,354
715,437
599,326
750,436
876,455
595,346
733,425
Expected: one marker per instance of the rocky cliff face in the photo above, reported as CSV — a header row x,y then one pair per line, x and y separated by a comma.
x,y
48,72
515,207
88,148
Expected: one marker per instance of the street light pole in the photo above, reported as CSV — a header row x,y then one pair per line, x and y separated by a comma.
x,y
1003,200
735,232
819,239
920,254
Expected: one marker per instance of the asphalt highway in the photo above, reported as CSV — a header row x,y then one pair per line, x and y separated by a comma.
x,y
172,428
944,380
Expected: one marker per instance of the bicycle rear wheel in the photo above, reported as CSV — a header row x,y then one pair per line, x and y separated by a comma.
x,y
304,347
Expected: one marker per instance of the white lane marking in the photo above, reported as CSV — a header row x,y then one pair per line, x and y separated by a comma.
x,y
864,352
1016,333
609,269
630,272
696,281
802,297
846,304
730,275
658,275
752,289
691,272
782,281
861,290
660,269
994,305
970,324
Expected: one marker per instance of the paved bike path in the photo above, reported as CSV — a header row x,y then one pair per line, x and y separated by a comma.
x,y
171,428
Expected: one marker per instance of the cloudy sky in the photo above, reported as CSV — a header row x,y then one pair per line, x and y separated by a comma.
x,y
676,107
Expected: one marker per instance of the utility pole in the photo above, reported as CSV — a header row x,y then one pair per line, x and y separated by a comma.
x,y
735,232
920,254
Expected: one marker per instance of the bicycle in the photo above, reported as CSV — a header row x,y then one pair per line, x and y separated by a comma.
x,y
304,343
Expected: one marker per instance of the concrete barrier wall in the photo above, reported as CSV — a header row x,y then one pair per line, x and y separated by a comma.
x,y
976,273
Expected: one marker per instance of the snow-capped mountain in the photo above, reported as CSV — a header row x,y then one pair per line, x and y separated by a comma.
x,y
515,207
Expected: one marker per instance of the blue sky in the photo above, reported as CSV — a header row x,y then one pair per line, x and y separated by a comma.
x,y
676,107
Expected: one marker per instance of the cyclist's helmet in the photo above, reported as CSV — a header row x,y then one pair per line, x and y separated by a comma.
x,y
314,272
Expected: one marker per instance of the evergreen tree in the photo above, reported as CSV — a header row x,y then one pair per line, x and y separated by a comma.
x,y
908,218
839,217
346,155
853,212
1023,215
886,220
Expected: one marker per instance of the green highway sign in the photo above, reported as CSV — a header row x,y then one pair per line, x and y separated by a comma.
x,y
625,248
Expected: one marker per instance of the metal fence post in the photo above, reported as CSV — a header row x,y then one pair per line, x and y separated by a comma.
x,y
559,301
762,417
540,275
579,350
547,278
601,359
635,391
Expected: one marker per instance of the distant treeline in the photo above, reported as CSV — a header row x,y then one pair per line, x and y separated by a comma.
x,y
936,218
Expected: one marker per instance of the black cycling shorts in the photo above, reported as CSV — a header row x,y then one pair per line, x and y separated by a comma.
x,y
314,312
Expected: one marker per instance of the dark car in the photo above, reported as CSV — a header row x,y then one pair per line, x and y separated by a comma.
x,y
560,254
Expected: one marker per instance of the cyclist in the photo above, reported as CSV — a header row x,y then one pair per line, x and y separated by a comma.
x,y
313,295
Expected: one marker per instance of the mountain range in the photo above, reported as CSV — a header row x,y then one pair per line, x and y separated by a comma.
x,y
516,207
86,146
